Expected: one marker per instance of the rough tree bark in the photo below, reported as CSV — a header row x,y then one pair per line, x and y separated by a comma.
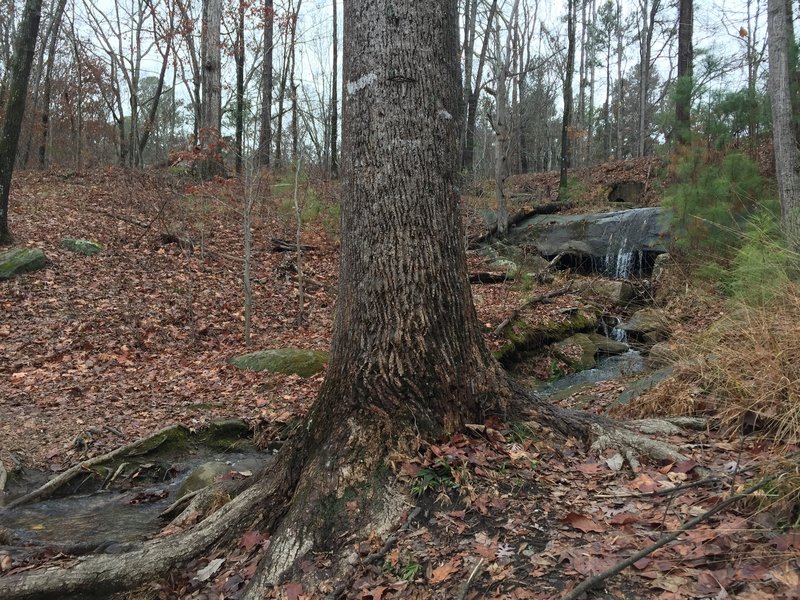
x,y
24,46
210,112
787,155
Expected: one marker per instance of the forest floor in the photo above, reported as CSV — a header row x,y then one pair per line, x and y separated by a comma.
x,y
96,352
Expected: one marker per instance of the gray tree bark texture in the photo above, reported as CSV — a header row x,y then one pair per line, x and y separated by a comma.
x,y
24,47
567,118
787,155
210,111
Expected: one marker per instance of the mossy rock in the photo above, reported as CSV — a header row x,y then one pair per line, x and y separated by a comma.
x,y
226,434
646,321
523,337
85,247
588,351
203,476
21,260
289,361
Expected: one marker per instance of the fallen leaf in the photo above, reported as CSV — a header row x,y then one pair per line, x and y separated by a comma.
x,y
583,523
441,573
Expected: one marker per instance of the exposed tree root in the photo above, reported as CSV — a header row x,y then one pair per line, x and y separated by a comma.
x,y
100,573
53,485
302,501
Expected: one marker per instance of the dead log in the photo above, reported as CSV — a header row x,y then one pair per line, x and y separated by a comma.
x,y
182,241
279,245
489,278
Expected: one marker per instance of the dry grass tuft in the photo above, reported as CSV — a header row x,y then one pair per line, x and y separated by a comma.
x,y
744,371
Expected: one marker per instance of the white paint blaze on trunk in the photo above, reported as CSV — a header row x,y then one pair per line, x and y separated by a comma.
x,y
787,156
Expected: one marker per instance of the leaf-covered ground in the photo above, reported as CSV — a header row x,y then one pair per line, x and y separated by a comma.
x,y
98,351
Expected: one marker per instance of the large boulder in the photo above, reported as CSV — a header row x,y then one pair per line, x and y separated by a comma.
x,y
578,351
85,247
647,326
618,292
617,244
20,260
608,346
289,361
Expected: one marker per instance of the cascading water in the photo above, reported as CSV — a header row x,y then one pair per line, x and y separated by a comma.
x,y
624,256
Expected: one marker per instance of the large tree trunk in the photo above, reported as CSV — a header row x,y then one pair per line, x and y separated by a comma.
x,y
210,114
24,46
787,155
683,96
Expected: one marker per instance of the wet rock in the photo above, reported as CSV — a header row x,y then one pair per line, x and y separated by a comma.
x,y
647,321
85,247
618,292
289,361
607,345
584,358
640,387
617,244
21,260
203,476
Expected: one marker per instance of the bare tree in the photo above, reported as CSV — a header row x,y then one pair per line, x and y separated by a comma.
x,y
14,110
334,110
210,114
52,39
501,62
265,130
567,117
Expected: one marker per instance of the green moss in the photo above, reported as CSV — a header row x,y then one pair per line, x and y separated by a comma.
x,y
20,260
285,360
522,337
85,247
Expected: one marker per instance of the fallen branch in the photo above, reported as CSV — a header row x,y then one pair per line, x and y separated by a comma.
x,y
129,220
596,580
488,278
279,245
49,488
536,299
183,242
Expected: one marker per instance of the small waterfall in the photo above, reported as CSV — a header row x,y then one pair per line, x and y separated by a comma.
x,y
613,331
624,256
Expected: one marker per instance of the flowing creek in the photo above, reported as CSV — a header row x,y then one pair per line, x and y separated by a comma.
x,y
119,515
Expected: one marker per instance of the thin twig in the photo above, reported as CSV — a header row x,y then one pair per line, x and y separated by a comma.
x,y
541,297
596,580
465,587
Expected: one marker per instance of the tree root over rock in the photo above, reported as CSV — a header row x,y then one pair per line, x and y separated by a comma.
x,y
327,489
